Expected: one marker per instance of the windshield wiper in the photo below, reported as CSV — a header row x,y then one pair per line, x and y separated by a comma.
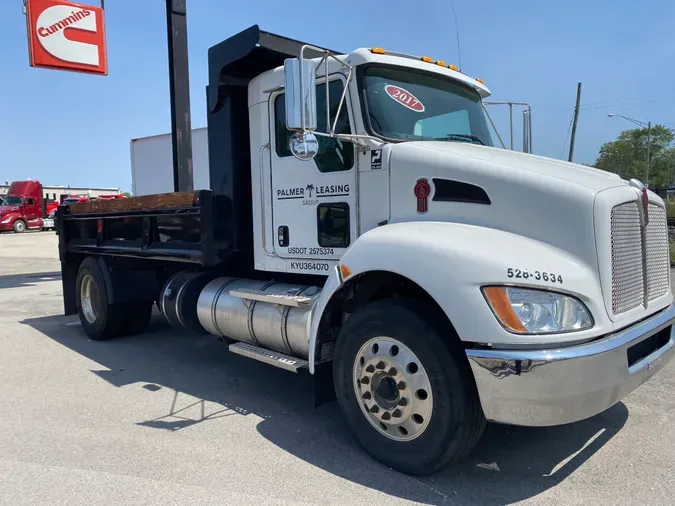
x,y
460,137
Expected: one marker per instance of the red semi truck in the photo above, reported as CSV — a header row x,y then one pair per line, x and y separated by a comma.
x,y
25,208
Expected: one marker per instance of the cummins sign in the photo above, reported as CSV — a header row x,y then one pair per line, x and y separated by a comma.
x,y
67,36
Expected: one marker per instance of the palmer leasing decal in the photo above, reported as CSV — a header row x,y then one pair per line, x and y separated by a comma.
x,y
312,191
67,36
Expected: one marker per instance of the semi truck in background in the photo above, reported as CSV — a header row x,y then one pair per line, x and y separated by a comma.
x,y
25,208
359,225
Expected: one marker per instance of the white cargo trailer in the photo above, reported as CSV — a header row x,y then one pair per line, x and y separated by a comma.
x,y
152,163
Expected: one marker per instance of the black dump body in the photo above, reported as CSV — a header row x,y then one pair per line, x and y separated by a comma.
x,y
203,229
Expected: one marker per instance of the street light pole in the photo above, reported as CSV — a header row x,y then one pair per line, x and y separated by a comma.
x,y
641,124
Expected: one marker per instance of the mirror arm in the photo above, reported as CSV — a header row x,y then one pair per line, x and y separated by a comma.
x,y
302,81
324,60
342,100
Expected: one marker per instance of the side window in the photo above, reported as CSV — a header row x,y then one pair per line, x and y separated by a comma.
x,y
333,225
30,202
334,154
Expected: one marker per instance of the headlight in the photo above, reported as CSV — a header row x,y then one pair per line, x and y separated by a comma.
x,y
529,311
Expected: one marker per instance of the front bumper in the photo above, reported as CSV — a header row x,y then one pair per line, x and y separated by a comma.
x,y
564,385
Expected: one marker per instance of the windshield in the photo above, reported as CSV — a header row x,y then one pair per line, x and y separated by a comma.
x,y
405,105
12,201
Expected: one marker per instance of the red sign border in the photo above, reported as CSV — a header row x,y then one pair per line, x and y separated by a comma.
x,y
32,40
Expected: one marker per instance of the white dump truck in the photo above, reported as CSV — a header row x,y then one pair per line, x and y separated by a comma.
x,y
360,225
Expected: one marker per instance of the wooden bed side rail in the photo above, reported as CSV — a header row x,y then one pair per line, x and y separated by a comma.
x,y
156,202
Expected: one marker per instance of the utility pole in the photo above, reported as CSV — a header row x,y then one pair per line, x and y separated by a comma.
x,y
649,139
574,123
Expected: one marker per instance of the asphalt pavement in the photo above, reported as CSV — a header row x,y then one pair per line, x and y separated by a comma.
x,y
171,418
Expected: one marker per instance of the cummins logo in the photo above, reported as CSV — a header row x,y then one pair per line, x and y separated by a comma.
x,y
67,36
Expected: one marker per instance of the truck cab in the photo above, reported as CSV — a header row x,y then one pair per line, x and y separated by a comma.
x,y
360,226
309,215
23,207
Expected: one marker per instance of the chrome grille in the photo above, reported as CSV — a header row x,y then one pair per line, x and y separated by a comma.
x,y
658,258
627,279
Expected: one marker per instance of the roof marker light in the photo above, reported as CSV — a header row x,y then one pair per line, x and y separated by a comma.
x,y
452,67
441,63
427,59
377,50
479,80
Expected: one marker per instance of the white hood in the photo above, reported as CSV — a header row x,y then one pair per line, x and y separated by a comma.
x,y
589,177
547,200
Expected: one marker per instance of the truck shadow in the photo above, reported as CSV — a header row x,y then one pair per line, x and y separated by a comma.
x,y
20,280
510,464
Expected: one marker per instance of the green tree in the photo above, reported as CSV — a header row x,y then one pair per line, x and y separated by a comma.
x,y
126,194
627,155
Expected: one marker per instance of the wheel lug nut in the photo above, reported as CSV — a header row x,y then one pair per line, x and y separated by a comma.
x,y
375,409
370,369
403,402
380,365
365,380
386,416
397,413
366,395
393,371
401,385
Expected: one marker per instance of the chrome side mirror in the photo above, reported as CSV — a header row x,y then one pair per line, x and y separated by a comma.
x,y
300,91
304,145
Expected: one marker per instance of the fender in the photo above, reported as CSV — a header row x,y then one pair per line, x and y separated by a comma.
x,y
9,218
452,261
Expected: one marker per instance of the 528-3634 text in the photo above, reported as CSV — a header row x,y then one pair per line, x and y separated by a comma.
x,y
537,275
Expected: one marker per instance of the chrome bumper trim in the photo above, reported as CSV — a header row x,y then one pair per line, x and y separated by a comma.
x,y
564,385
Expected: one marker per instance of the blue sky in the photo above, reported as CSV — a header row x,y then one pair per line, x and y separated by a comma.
x,y
69,128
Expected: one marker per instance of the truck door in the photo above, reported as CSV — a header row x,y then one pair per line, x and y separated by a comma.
x,y
32,212
313,202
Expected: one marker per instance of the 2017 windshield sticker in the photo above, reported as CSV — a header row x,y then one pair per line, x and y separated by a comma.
x,y
404,97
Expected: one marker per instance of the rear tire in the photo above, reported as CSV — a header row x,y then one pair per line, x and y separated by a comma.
x,y
421,381
19,226
100,319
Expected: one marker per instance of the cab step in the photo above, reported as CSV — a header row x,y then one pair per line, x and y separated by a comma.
x,y
270,357
271,297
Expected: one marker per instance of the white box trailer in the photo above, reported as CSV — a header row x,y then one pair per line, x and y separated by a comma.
x,y
152,163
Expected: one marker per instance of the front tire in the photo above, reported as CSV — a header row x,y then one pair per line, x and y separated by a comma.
x,y
407,394
19,226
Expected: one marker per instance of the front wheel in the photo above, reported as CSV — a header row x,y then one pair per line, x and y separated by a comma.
x,y
407,393
19,226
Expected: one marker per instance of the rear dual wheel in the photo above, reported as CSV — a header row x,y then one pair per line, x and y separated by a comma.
x,y
101,319
407,394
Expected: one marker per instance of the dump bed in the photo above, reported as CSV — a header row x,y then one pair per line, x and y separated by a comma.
x,y
177,227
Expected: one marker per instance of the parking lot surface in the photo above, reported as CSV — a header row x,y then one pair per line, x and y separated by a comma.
x,y
170,418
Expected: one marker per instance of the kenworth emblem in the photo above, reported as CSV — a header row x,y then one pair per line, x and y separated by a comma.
x,y
644,200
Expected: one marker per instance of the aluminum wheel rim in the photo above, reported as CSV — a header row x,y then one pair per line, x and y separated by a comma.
x,y
392,388
20,226
87,294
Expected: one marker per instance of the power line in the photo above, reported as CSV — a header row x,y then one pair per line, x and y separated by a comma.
x,y
459,54
621,104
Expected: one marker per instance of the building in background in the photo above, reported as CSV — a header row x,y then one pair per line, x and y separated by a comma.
x,y
58,193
